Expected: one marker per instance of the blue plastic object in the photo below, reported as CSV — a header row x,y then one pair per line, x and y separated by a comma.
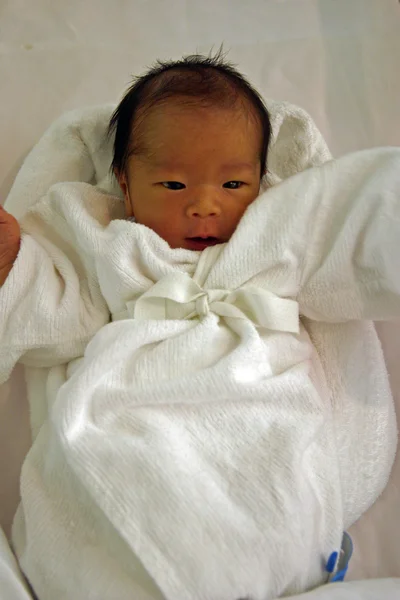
x,y
338,563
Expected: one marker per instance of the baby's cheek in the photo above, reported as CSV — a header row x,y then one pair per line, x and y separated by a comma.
x,y
171,233
166,224
238,209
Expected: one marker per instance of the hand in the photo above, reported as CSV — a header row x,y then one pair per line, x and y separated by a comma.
x,y
10,239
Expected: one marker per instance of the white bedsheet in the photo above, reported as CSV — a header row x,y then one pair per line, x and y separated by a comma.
x,y
339,60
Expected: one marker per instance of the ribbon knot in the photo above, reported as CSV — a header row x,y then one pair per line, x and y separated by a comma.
x,y
178,296
202,305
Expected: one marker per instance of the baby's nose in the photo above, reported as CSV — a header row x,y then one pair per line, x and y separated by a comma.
x,y
202,212
204,205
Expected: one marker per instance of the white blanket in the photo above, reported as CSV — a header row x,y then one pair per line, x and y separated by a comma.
x,y
203,448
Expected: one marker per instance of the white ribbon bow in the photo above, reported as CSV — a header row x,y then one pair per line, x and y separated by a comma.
x,y
177,296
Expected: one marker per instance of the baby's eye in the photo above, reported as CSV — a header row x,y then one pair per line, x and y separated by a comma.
x,y
173,185
233,185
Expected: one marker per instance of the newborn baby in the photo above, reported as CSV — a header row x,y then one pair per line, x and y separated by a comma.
x,y
206,443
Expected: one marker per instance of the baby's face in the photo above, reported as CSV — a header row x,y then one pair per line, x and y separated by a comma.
x,y
198,174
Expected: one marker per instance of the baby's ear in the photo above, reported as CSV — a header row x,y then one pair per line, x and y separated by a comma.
x,y
123,184
122,180
119,176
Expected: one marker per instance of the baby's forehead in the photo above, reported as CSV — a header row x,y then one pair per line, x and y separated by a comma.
x,y
185,130
180,117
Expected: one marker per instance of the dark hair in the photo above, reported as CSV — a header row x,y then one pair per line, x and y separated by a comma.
x,y
196,78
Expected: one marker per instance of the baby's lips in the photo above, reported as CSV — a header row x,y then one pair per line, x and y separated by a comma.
x,y
203,235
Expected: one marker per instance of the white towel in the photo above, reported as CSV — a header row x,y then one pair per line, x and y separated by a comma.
x,y
206,452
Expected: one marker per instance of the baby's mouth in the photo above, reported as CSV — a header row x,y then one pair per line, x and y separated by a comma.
x,y
200,243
